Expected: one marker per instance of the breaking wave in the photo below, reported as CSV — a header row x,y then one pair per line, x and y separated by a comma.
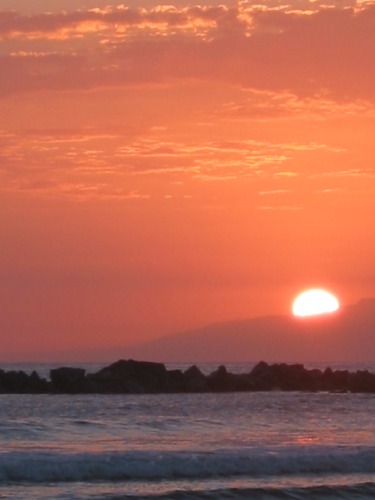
x,y
42,467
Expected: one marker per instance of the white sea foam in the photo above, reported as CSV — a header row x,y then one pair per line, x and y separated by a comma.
x,y
43,467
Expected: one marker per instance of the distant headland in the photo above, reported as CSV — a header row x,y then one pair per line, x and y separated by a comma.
x,y
144,377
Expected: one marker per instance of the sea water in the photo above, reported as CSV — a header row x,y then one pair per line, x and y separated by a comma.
x,y
263,445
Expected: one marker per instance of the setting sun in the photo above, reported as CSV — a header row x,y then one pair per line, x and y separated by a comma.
x,y
314,302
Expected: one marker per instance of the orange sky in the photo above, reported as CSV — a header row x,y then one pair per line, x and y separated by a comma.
x,y
167,166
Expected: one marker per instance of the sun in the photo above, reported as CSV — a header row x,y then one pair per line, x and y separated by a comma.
x,y
314,302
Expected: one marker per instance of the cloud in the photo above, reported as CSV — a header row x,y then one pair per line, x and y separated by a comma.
x,y
305,52
354,172
14,25
90,164
271,192
263,105
280,207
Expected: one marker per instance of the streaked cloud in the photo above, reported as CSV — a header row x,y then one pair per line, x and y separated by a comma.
x,y
93,164
263,105
305,52
280,207
284,61
272,192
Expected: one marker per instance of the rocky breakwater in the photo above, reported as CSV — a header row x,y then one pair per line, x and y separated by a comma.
x,y
142,377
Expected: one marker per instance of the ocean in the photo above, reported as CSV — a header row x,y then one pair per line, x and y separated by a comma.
x,y
261,445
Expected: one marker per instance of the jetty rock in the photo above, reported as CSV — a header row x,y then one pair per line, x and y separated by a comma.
x,y
144,377
67,379
19,382
129,376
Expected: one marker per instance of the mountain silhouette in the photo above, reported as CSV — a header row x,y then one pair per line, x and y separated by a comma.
x,y
344,336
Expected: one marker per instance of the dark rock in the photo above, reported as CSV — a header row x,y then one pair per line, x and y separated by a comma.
x,y
105,385
337,380
130,376
341,380
262,376
18,382
15,382
222,381
134,387
361,381
195,380
316,374
37,384
176,381
68,380
243,382
137,377
2,376
292,377
260,369
284,377
328,373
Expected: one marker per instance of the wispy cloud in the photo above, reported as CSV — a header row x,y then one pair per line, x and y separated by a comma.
x,y
280,207
271,192
310,65
263,105
303,52
99,164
